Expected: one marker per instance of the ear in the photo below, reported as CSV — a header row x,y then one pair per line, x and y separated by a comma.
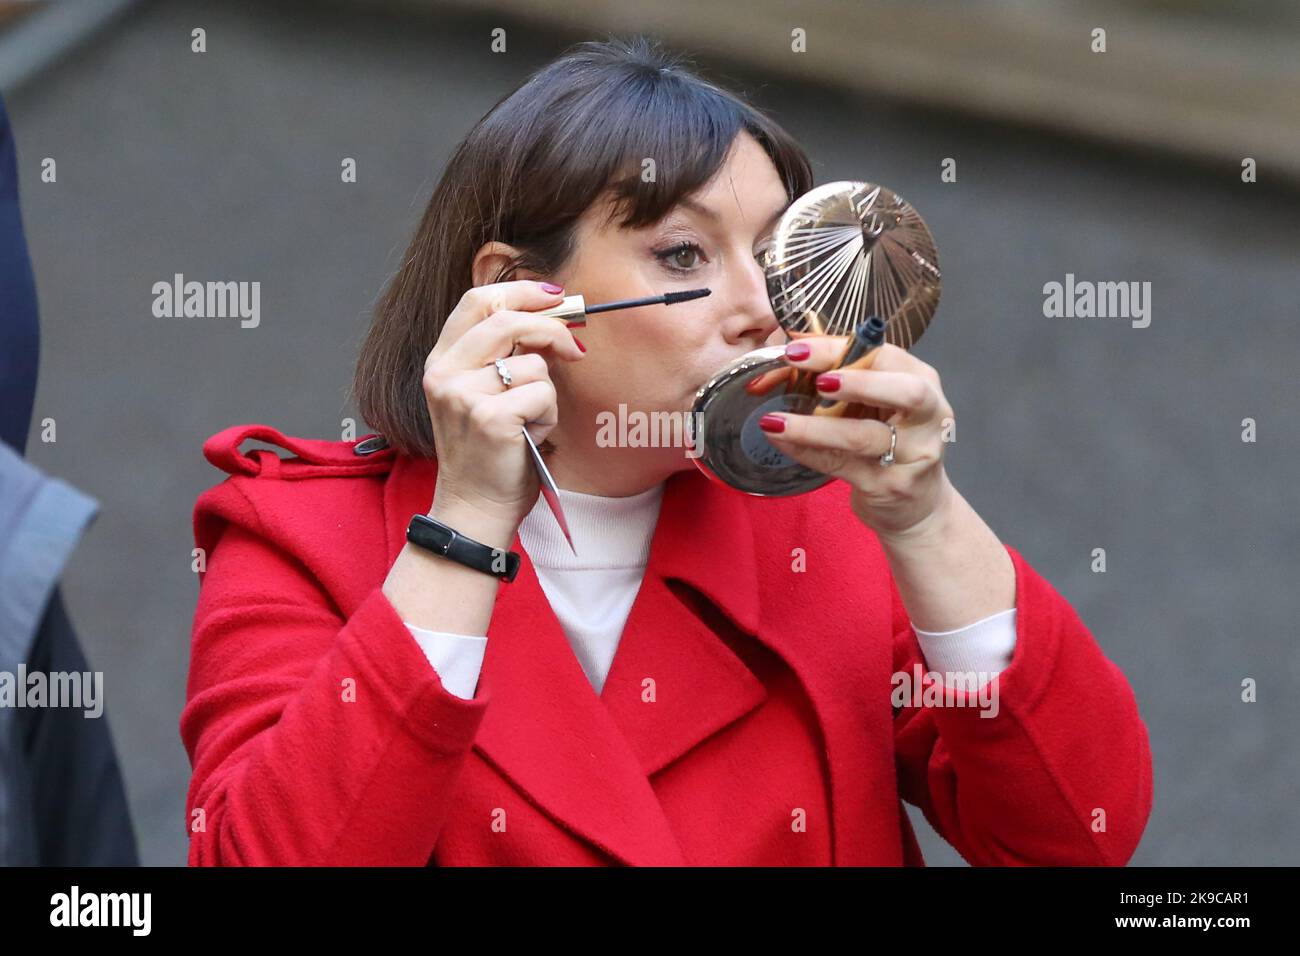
x,y
495,262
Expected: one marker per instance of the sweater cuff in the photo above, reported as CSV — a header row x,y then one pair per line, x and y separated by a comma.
x,y
457,659
985,647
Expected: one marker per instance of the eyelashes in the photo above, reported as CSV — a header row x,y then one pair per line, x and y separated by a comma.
x,y
666,256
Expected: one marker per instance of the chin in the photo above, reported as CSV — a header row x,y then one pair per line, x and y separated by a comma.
x,y
680,462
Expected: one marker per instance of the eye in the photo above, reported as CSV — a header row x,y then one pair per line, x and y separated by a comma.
x,y
681,257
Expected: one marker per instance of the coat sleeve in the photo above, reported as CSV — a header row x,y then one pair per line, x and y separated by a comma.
x,y
314,739
1060,776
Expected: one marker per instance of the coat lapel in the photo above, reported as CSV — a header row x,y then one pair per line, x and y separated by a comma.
x,y
586,759
674,682
736,551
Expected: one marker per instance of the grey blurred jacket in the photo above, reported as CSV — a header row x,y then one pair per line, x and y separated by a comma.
x,y
62,801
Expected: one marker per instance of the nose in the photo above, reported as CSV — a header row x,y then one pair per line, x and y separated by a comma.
x,y
750,321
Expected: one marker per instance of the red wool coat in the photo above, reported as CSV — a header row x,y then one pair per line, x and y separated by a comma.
x,y
320,735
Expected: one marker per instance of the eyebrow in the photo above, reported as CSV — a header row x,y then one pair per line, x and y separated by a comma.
x,y
713,215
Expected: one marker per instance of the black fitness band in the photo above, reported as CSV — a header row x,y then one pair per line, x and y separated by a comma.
x,y
433,535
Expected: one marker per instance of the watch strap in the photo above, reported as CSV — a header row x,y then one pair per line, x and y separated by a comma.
x,y
432,535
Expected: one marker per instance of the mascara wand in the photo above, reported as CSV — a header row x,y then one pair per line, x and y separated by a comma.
x,y
573,311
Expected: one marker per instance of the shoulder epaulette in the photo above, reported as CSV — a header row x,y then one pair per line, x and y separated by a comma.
x,y
310,457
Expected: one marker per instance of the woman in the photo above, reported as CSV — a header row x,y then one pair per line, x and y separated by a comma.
x,y
713,678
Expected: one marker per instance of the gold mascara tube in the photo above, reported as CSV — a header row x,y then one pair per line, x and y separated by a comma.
x,y
573,311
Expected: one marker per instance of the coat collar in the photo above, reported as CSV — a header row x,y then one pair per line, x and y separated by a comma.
x,y
586,759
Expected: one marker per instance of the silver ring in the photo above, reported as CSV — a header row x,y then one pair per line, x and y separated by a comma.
x,y
887,459
503,372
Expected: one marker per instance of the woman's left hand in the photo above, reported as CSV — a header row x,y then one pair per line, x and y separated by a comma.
x,y
894,500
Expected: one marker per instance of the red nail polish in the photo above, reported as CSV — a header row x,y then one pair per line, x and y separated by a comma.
x,y
578,343
552,288
772,423
828,383
798,351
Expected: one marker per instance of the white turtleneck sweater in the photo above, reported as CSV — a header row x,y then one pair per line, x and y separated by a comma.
x,y
592,594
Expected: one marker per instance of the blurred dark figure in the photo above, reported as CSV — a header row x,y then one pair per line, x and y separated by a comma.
x,y
62,802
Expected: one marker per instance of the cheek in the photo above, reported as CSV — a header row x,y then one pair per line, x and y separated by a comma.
x,y
654,337
676,351
655,356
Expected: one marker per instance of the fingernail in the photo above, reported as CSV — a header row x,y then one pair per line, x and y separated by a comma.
x,y
772,423
798,351
552,288
578,342
829,382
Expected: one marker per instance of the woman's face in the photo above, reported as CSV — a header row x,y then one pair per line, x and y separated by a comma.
x,y
653,358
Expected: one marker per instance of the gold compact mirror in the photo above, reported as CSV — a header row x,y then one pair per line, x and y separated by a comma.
x,y
842,255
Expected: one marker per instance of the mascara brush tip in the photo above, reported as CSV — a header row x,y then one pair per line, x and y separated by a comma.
x,y
671,297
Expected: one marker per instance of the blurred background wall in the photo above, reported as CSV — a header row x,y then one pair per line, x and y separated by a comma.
x,y
1075,434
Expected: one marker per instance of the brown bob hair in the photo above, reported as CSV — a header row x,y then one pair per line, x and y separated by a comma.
x,y
525,174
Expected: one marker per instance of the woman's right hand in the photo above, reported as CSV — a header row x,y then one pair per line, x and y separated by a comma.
x,y
483,465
